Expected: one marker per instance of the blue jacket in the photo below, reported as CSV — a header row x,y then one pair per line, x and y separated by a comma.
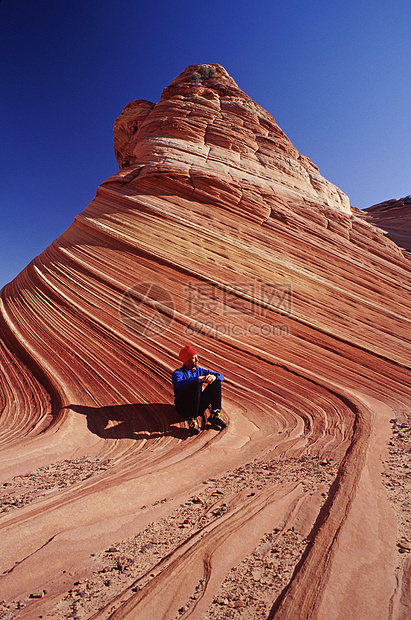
x,y
182,378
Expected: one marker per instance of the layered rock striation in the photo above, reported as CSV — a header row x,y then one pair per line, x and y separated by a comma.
x,y
217,232
211,141
394,217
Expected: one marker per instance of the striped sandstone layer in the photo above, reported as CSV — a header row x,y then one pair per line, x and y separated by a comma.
x,y
217,232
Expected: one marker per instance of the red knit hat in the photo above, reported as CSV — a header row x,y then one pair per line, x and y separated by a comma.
x,y
186,353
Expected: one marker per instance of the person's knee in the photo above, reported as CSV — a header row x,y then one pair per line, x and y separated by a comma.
x,y
216,384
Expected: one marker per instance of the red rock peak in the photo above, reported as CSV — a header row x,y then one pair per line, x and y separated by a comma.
x,y
211,138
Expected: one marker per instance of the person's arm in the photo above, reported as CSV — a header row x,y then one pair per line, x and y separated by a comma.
x,y
204,372
181,382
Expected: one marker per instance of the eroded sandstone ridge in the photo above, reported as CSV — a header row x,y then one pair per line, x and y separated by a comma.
x,y
394,217
217,232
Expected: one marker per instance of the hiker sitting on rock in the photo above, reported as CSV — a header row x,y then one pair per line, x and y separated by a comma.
x,y
195,389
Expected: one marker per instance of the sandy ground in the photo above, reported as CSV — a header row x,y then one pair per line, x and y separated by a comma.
x,y
251,587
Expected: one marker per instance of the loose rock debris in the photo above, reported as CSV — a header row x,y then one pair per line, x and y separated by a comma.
x,y
397,479
23,490
250,588
138,557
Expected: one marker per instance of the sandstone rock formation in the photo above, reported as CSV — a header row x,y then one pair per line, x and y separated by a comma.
x,y
217,232
394,217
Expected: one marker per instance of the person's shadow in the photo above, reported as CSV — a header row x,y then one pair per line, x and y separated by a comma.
x,y
138,421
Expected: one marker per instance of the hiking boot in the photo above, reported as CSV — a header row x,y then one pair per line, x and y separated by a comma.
x,y
193,426
217,421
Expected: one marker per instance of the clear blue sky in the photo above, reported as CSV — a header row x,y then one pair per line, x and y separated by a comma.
x,y
334,74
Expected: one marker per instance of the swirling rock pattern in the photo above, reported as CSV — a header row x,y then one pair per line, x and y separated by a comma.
x,y
217,232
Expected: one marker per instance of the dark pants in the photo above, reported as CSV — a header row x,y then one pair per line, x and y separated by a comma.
x,y
194,401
